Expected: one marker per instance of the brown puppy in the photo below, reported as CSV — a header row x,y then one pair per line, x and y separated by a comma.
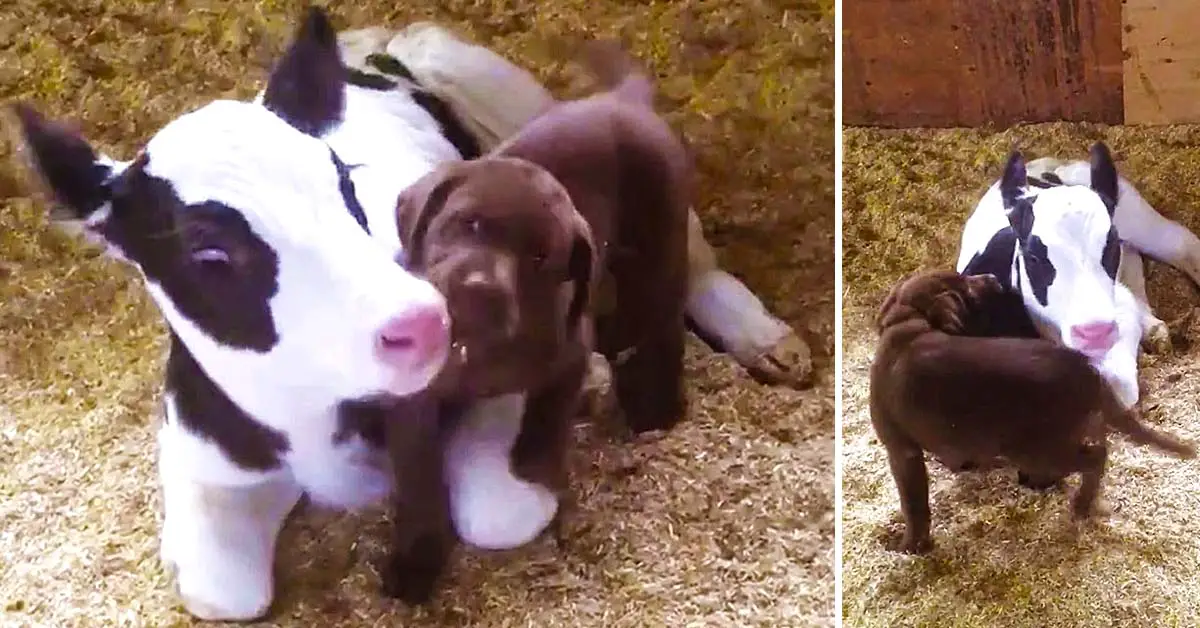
x,y
1037,405
514,240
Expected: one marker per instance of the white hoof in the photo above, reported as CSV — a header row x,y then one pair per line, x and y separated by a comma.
x,y
491,507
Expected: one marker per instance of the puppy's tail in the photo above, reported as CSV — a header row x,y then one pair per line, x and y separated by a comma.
x,y
1128,422
617,71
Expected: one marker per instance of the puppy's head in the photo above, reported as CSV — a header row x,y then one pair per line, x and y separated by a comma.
x,y
944,299
501,240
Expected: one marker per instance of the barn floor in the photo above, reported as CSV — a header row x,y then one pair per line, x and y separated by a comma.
x,y
726,521
1004,556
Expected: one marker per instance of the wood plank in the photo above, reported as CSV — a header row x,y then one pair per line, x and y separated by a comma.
x,y
934,63
1162,62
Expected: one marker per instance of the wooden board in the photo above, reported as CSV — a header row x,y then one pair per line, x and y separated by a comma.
x,y
1162,61
934,63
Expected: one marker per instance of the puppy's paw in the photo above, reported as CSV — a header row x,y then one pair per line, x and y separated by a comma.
x,y
1156,338
786,363
1082,512
411,575
915,545
1035,482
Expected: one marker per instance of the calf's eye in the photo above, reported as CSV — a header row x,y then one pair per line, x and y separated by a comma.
x,y
210,257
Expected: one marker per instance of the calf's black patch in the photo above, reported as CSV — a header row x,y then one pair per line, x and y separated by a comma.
x,y
153,228
205,410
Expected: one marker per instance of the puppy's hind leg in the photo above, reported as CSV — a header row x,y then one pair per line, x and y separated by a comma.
x,y
732,316
912,482
1093,458
643,339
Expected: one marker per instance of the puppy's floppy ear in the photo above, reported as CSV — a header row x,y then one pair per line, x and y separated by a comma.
x,y
889,303
416,207
581,269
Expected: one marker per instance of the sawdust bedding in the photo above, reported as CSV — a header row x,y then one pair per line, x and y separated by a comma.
x,y
726,521
1005,556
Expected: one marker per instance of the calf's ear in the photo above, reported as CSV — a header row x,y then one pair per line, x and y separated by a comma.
x,y
307,87
1104,175
1014,180
73,174
416,208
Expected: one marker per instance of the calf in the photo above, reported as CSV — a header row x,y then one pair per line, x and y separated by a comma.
x,y
508,238
1031,402
251,224
1068,237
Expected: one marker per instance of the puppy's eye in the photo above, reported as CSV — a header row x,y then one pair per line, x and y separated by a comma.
x,y
473,225
211,257
538,259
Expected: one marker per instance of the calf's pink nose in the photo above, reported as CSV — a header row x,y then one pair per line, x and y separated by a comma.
x,y
414,337
1098,335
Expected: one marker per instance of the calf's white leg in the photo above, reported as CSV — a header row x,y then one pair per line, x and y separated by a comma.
x,y
1155,336
491,507
1153,234
727,311
219,536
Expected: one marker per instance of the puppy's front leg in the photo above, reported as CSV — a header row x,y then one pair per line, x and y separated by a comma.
x,y
912,482
422,532
732,316
540,452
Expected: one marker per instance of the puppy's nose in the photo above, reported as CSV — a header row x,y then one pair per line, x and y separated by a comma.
x,y
413,338
1094,337
485,302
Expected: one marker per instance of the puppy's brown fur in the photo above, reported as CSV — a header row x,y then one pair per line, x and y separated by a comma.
x,y
515,240
1037,405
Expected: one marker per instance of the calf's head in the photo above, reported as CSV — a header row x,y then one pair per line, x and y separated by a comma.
x,y
502,240
944,299
1068,251
241,221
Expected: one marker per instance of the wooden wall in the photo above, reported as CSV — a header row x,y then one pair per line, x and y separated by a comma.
x,y
1162,61
937,63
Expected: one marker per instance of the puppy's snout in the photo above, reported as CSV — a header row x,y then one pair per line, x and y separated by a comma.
x,y
484,305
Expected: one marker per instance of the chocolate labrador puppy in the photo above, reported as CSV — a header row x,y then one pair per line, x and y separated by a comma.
x,y
1037,405
515,241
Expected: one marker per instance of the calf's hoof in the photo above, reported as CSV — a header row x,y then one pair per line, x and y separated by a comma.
x,y
788,362
1157,338
211,599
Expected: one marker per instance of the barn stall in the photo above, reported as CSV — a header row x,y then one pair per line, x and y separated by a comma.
x,y
935,95
726,521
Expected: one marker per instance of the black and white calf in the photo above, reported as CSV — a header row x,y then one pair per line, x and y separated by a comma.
x,y
265,233
1069,235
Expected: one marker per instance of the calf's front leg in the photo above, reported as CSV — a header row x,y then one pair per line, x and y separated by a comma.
x,y
732,316
490,506
1155,336
219,535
